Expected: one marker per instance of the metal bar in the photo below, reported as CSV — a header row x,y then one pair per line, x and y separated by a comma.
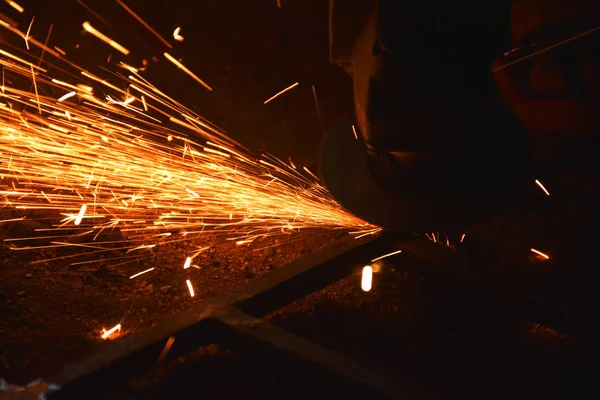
x,y
266,333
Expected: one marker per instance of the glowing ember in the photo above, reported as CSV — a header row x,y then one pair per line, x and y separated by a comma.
x,y
366,282
80,215
15,5
354,131
539,253
190,287
187,71
106,334
126,161
176,35
188,262
282,92
166,349
141,273
542,187
463,237
89,28
386,255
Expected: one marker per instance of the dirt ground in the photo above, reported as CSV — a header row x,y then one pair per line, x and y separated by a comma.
x,y
52,313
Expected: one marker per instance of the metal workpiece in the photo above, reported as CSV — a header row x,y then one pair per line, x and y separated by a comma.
x,y
207,322
235,320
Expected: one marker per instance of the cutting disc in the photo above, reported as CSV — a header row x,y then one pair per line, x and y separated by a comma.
x,y
480,179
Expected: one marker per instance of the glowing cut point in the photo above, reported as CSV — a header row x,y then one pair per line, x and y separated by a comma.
x,y
81,214
107,333
366,282
539,253
190,287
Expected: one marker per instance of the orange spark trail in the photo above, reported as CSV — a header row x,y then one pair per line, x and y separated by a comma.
x,y
128,162
282,92
89,28
141,21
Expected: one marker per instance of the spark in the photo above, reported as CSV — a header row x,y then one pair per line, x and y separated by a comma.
x,y
176,35
463,237
141,273
282,92
126,168
316,101
15,5
188,262
89,28
366,282
545,49
310,173
59,50
141,21
539,253
107,333
67,96
386,255
95,14
542,187
190,287
27,34
354,131
187,71
80,214
166,349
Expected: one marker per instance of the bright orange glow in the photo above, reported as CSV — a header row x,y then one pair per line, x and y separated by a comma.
x,y
366,282
106,163
106,334
539,253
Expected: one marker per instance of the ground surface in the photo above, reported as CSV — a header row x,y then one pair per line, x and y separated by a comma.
x,y
410,326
